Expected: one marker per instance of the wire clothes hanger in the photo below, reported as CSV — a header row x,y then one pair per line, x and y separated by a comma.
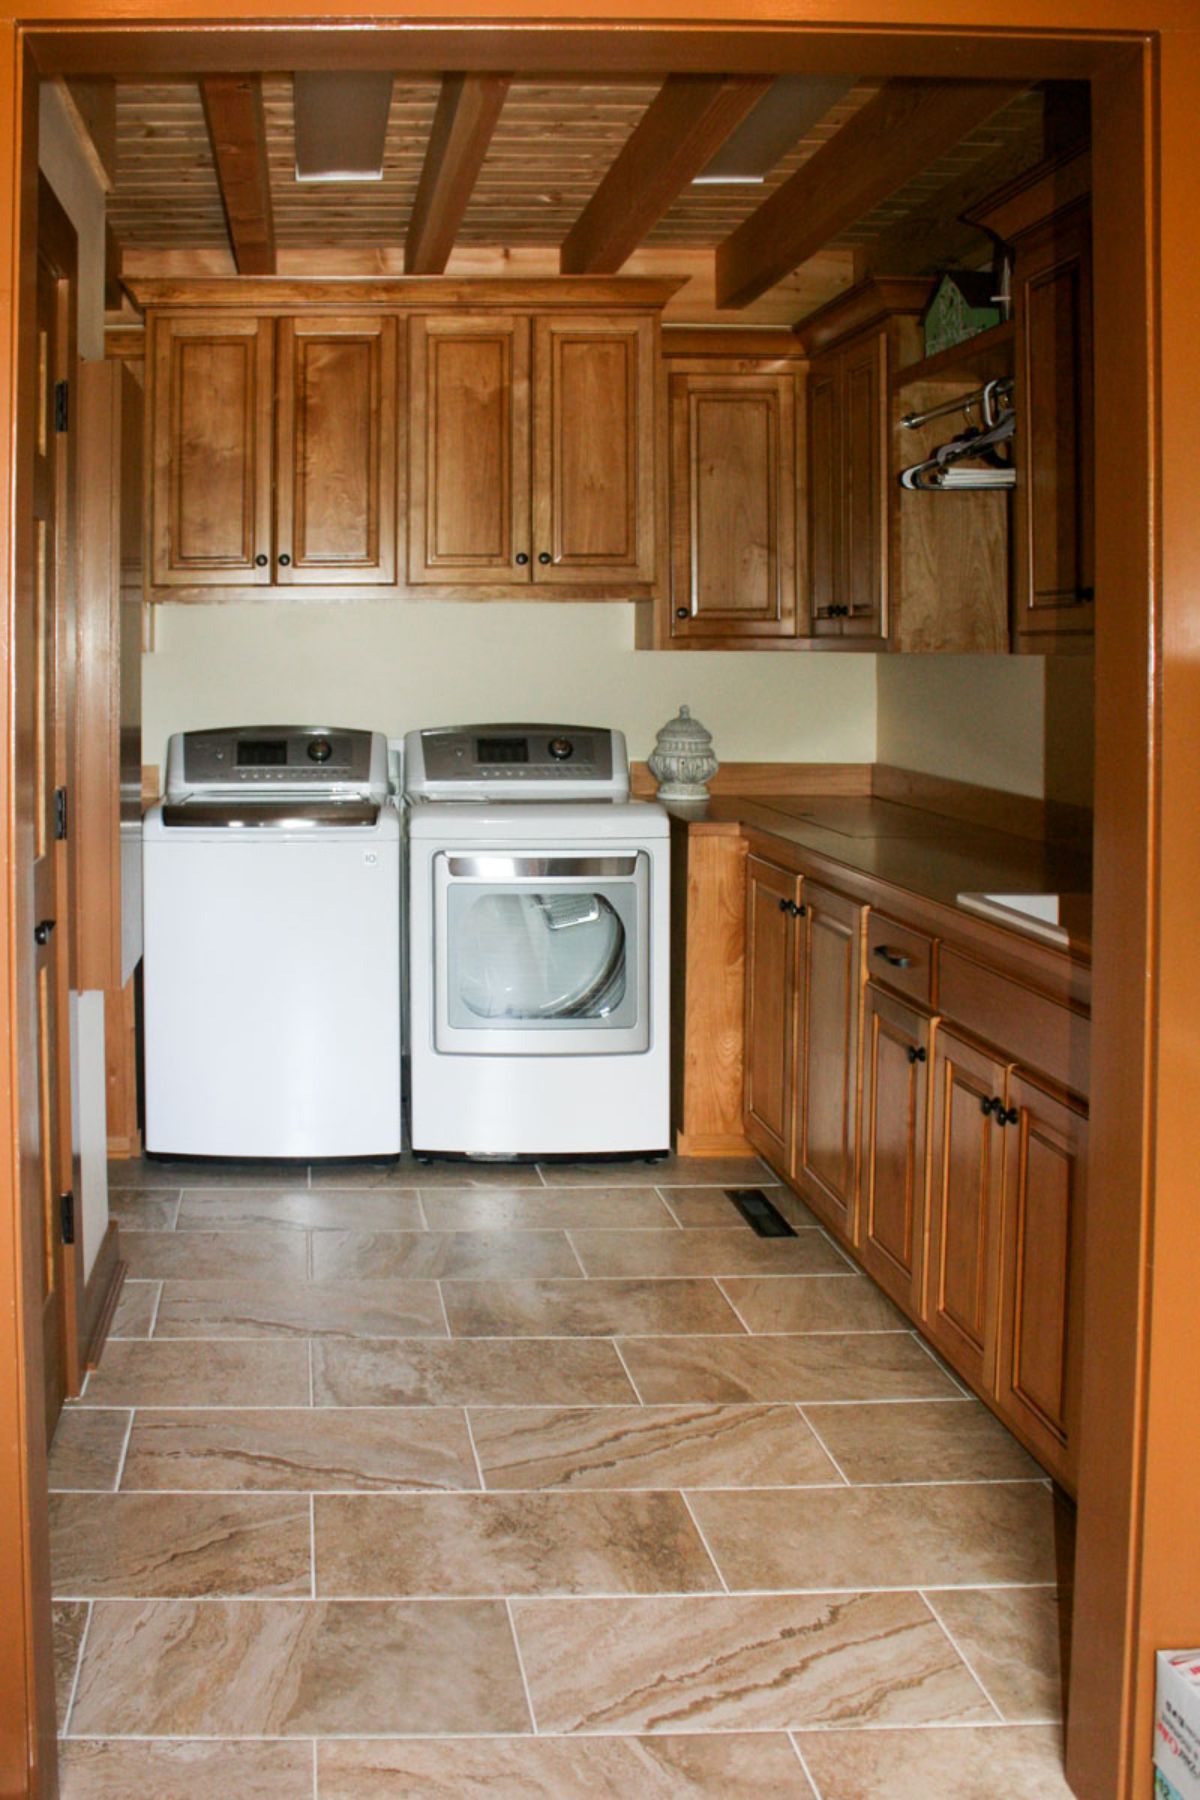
x,y
978,443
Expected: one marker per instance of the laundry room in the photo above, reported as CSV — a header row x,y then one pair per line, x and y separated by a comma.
x,y
564,875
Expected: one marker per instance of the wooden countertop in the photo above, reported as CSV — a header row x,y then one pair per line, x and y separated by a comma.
x,y
918,852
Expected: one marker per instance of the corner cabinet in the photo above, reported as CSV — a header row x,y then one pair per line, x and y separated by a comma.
x,y
453,437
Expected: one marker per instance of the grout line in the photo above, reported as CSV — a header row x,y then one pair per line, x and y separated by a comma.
x,y
825,1447
962,1655
64,1728
563,1737
421,1213
942,1366
809,1776
575,1254
316,1782
312,1546
628,1371
178,1210
438,1598
154,1311
708,1549
308,1345
732,1304
509,1493
483,1486
124,1453
512,1626
445,1317
662,1195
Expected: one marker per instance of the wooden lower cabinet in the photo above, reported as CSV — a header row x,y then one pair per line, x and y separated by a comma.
x,y
772,909
825,1156
1037,1384
895,1116
961,1311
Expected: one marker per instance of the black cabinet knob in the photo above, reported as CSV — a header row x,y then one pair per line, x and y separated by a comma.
x,y
681,612
783,905
1011,1117
284,560
42,930
543,556
797,912
988,1105
522,557
917,1053
261,560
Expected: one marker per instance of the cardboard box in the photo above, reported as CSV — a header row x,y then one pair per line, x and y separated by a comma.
x,y
1163,1789
1177,1723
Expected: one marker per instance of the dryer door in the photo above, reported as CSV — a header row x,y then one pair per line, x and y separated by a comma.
x,y
541,955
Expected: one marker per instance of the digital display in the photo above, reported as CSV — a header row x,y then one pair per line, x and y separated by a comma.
x,y
502,750
261,753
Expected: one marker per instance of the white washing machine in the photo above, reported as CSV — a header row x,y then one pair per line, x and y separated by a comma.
x,y
272,877
539,955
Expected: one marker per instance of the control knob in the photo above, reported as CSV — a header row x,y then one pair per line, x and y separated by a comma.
x,y
319,749
561,748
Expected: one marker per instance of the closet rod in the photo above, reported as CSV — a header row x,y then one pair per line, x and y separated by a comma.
x,y
960,403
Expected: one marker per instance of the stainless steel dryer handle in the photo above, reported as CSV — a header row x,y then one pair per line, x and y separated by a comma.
x,y
485,867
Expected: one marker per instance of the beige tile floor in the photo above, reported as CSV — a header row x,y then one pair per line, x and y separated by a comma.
x,y
544,1484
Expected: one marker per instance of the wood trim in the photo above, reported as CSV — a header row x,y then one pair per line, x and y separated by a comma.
x,y
233,112
765,343
467,111
125,343
708,882
101,1294
769,778
91,106
896,136
870,302
1025,203
432,293
1022,815
677,136
121,1071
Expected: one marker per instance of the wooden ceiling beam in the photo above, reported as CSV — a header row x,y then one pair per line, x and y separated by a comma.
x,y
896,136
467,111
677,136
91,107
233,112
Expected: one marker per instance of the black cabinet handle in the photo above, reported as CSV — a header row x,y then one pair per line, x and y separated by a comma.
x,y
917,1053
681,612
892,958
989,1105
522,557
783,904
797,912
261,560
1011,1117
284,560
544,556
42,930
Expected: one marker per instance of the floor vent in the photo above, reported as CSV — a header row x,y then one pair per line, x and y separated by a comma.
x,y
759,1213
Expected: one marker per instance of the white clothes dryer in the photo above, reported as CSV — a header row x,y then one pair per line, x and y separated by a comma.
x,y
539,952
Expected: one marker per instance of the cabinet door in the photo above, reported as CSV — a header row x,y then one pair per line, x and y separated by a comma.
x,y
468,504
1041,1284
211,475
336,431
895,1118
1054,524
771,946
824,496
830,1000
594,451
967,1155
733,506
864,477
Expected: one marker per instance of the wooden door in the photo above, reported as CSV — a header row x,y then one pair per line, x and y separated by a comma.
x,y
1041,1298
52,747
824,496
733,506
772,896
212,411
1055,582
895,1121
830,1001
337,424
468,491
594,451
864,474
965,1194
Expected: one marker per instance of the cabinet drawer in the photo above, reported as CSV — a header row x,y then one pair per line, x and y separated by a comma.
x,y
900,958
1026,1026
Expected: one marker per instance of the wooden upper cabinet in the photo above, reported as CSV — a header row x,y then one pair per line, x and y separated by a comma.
x,y
336,429
965,1199
468,510
594,450
733,506
772,945
847,489
896,1041
1054,575
825,1164
212,473
1038,1371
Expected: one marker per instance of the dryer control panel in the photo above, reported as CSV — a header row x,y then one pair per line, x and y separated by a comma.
x,y
517,762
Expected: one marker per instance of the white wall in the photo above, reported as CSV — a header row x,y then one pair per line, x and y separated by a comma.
x,y
393,665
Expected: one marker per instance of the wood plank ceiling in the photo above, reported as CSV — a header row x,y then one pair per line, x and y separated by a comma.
x,y
517,174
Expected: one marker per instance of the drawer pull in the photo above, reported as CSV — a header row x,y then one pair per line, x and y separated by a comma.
x,y
917,1053
892,958
789,906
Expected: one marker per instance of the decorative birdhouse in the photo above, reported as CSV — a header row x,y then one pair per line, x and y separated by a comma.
x,y
962,306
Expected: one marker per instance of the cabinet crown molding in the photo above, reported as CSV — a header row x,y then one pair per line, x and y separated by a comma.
x,y
281,294
1023,203
878,298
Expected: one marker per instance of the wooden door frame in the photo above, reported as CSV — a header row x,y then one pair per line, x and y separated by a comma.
x,y
1138,1582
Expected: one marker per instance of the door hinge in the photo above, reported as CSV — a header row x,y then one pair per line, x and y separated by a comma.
x,y
61,405
67,1203
60,813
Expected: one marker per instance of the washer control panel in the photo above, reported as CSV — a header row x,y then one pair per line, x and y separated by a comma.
x,y
467,762
259,759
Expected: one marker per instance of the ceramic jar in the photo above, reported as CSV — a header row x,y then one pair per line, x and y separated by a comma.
x,y
682,761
